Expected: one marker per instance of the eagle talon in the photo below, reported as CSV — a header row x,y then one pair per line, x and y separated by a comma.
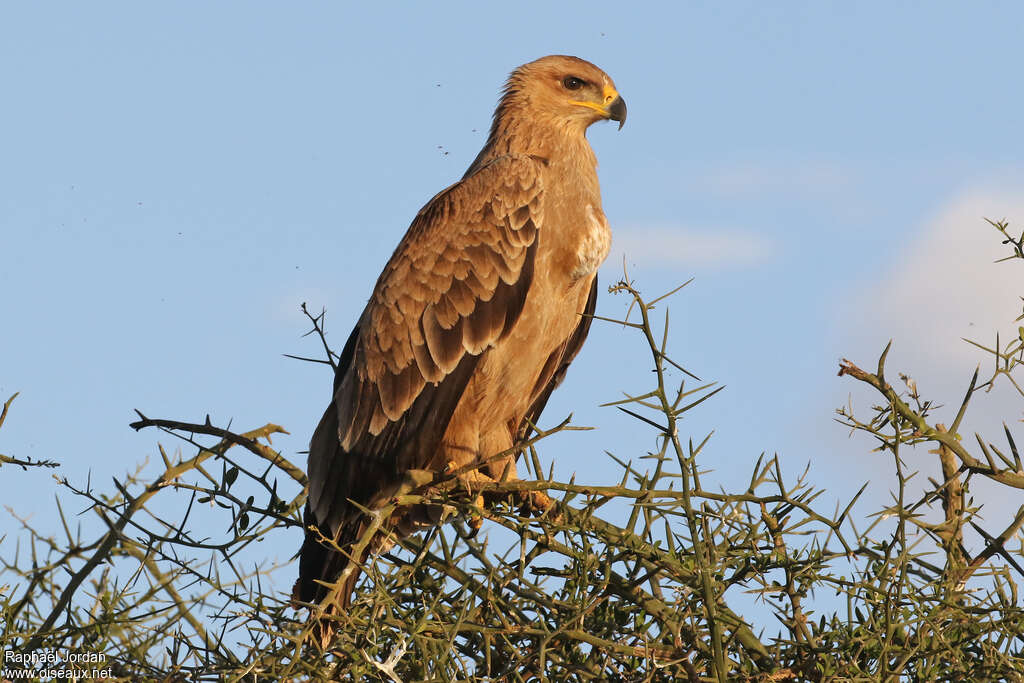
x,y
535,503
539,504
540,501
476,520
475,523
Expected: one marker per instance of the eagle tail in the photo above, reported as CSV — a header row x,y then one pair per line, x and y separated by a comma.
x,y
320,564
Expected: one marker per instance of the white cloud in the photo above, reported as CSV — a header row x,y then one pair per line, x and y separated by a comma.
x,y
945,285
941,286
698,249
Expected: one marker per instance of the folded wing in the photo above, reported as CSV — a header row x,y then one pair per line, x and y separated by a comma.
x,y
455,285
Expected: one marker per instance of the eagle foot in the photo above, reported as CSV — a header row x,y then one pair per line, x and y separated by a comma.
x,y
531,503
473,479
471,482
476,520
539,504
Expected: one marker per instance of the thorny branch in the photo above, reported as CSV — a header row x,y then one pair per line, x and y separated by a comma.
x,y
634,580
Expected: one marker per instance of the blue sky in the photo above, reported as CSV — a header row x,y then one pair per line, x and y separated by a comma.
x,y
177,179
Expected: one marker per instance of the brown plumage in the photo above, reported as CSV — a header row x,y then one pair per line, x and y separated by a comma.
x,y
473,322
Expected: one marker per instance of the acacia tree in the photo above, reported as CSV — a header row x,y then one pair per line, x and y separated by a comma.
x,y
635,580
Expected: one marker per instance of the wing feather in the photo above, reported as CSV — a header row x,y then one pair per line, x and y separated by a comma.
x,y
455,285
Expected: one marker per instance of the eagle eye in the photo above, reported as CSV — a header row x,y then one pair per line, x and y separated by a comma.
x,y
573,83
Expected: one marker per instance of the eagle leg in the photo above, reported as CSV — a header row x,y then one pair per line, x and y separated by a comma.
x,y
532,503
469,481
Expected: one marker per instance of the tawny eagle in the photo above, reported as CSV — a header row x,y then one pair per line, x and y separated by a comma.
x,y
472,324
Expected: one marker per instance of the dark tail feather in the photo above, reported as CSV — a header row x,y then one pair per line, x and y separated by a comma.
x,y
318,563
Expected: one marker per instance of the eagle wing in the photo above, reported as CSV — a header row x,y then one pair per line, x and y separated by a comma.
x,y
455,285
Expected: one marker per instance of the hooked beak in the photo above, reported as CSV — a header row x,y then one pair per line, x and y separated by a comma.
x,y
617,111
613,107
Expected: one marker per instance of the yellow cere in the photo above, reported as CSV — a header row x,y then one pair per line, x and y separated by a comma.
x,y
609,96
